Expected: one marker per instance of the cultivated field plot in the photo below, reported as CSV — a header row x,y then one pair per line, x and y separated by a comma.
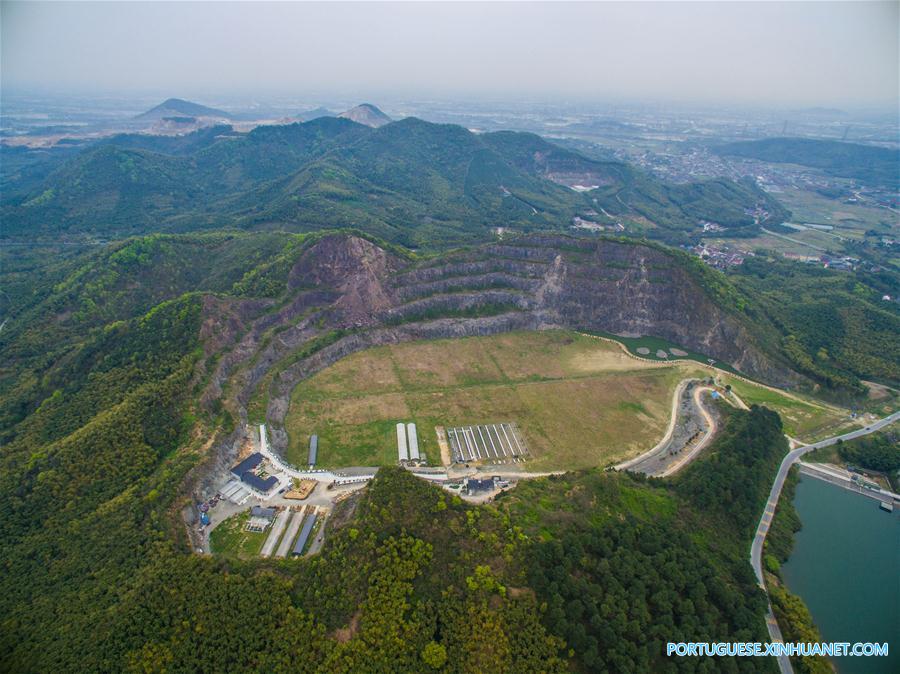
x,y
490,443
849,220
577,400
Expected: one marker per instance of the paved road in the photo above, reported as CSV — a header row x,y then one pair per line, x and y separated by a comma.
x,y
793,240
769,512
843,478
320,475
673,418
292,528
658,461
281,520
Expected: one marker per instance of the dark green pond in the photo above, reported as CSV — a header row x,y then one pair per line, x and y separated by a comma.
x,y
846,567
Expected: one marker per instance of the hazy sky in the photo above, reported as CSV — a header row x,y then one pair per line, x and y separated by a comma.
x,y
769,53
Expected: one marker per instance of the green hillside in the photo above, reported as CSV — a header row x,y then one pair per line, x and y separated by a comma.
x,y
412,182
63,310
834,326
668,212
104,364
877,166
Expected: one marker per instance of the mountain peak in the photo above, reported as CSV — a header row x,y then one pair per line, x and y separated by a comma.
x,y
367,114
174,107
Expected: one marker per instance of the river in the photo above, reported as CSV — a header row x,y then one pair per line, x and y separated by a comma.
x,y
846,567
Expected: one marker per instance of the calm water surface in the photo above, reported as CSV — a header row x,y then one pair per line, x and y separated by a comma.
x,y
846,567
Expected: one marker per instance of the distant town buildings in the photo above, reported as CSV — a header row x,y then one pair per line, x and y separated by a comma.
x,y
582,223
720,257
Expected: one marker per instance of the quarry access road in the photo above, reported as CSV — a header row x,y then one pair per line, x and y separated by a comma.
x,y
659,461
710,433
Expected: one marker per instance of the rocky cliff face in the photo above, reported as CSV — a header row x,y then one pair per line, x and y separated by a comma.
x,y
350,294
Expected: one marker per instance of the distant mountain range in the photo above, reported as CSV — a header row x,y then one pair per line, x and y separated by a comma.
x,y
410,182
177,107
310,115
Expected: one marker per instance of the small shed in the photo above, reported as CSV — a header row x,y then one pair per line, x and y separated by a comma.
x,y
474,485
259,511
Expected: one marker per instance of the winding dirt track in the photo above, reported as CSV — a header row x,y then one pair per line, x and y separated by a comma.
x,y
655,458
704,441
673,417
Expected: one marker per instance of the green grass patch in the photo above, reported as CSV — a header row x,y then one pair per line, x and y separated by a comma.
x,y
805,420
231,539
654,344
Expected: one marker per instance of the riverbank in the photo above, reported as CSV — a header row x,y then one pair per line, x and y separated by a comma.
x,y
841,563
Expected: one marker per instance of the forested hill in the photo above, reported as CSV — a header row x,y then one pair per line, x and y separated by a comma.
x,y
410,182
877,166
594,571
108,354
835,327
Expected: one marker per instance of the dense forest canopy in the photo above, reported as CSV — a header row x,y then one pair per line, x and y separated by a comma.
x,y
835,327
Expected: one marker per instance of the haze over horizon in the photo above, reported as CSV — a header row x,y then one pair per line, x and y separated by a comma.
x,y
842,54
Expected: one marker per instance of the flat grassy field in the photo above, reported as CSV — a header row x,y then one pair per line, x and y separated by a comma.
x,y
803,419
850,220
578,401
231,540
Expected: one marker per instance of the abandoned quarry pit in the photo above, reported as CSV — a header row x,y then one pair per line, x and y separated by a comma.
x,y
580,401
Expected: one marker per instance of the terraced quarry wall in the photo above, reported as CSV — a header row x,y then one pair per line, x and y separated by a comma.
x,y
347,294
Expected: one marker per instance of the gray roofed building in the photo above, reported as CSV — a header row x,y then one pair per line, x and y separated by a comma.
x,y
259,484
249,463
402,451
474,485
413,442
259,511
313,449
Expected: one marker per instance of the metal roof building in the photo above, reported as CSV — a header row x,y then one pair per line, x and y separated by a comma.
x,y
413,442
257,483
259,511
401,442
313,449
304,534
474,485
249,463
